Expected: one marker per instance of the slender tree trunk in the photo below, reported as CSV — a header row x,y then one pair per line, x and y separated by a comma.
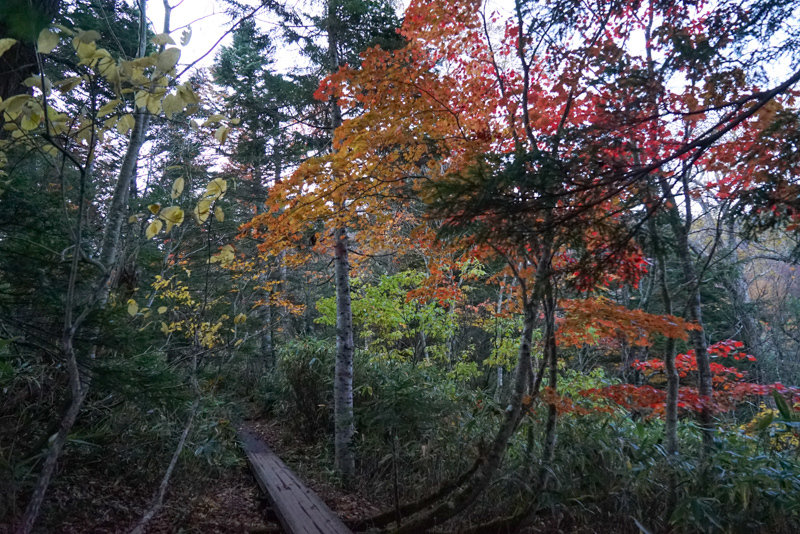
x,y
158,500
79,392
79,384
344,427
737,288
673,378
267,347
499,388
692,284
551,355
343,381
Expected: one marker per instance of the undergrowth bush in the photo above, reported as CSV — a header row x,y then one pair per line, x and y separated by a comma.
x,y
418,427
121,443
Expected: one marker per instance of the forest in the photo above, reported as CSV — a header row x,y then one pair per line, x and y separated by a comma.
x,y
466,266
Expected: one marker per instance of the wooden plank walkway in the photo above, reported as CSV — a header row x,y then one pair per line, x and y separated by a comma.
x,y
299,509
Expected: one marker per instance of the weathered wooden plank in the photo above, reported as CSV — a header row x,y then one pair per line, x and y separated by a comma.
x,y
299,509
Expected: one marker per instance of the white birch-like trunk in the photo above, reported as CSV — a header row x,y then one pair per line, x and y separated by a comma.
x,y
343,380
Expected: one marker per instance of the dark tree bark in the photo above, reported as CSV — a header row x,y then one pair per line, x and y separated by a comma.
x,y
22,20
691,282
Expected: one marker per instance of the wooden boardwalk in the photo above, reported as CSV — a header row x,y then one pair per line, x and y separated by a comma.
x,y
299,509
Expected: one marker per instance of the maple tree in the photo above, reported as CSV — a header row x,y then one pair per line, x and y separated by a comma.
x,y
537,150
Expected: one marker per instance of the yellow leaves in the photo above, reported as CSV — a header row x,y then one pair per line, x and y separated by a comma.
x,y
225,256
173,216
5,44
50,150
125,123
172,104
187,94
154,208
219,214
221,134
153,103
162,39
87,37
29,122
83,50
47,41
68,84
141,99
36,81
239,319
25,108
14,105
201,211
133,308
162,310
210,335
108,68
153,228
108,108
168,59
213,119
216,189
177,188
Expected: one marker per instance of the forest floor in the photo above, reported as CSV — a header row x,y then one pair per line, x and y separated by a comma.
x,y
227,503
224,500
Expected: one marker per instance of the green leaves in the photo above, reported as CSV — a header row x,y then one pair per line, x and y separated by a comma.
x,y
787,414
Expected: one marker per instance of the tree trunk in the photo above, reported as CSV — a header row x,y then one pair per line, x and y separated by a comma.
x,y
498,391
267,347
19,62
737,288
343,381
79,384
551,355
691,282
53,454
673,378
344,427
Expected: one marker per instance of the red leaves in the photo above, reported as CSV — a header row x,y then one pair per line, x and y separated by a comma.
x,y
595,319
729,386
